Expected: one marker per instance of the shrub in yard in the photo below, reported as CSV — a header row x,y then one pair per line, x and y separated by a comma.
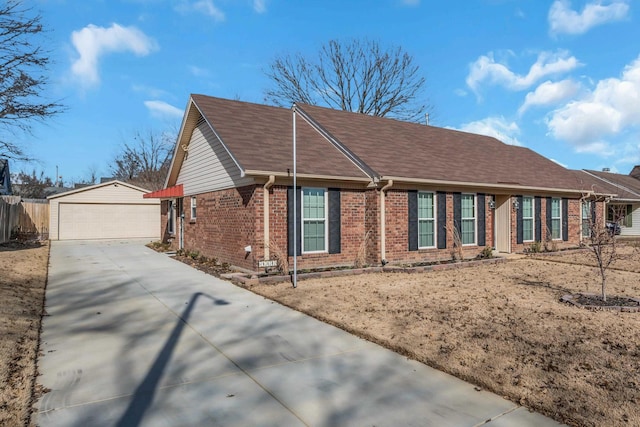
x,y
535,247
486,253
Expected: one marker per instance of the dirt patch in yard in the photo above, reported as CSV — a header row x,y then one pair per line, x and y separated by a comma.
x,y
501,327
23,277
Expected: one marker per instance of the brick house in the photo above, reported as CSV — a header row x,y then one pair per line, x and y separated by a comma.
x,y
391,191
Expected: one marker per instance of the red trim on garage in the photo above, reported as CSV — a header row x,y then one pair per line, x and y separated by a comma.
x,y
166,193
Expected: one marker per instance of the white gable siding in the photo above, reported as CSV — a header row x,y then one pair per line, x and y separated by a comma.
x,y
634,230
208,166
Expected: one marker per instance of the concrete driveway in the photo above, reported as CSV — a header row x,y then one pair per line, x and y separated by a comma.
x,y
134,338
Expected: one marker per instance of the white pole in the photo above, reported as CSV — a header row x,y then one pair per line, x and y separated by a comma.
x,y
295,206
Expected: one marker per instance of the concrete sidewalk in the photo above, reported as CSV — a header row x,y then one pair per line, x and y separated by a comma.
x,y
134,338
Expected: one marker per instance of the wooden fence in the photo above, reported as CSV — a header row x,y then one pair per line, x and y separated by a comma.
x,y
28,218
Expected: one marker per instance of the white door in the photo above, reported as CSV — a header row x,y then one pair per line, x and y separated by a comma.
x,y
503,224
108,221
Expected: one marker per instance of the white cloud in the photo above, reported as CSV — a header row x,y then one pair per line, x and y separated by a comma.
x,y
497,127
92,42
487,69
198,72
558,163
563,19
549,93
201,6
609,110
259,6
600,148
162,109
460,92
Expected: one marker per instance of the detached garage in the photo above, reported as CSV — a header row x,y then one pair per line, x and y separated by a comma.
x,y
111,210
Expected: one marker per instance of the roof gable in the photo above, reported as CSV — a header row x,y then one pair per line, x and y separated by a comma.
x,y
97,186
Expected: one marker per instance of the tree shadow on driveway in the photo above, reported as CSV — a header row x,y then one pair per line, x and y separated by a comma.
x,y
145,392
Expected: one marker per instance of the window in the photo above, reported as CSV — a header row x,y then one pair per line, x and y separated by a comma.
x,y
193,207
527,219
314,224
556,219
622,214
171,223
586,218
426,221
468,226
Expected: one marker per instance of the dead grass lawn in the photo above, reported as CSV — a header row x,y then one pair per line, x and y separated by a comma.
x,y
23,275
501,327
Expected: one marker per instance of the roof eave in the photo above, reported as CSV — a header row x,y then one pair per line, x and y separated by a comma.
x,y
260,173
478,185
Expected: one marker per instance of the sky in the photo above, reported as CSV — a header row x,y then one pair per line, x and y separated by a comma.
x,y
559,77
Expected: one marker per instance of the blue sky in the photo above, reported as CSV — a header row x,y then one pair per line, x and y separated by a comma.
x,y
560,77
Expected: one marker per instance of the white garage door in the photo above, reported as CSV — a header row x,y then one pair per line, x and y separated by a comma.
x,y
108,221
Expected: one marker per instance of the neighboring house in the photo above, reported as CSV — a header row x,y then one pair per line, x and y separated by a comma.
x,y
625,200
5,178
110,210
394,191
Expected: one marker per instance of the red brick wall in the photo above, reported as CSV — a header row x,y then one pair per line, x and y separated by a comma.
x,y
229,220
397,232
574,218
352,228
225,223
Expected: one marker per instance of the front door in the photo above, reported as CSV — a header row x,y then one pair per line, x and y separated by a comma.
x,y
503,224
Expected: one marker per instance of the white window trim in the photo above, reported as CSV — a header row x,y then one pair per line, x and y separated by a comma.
x,y
533,219
326,220
583,218
560,217
193,207
475,218
434,219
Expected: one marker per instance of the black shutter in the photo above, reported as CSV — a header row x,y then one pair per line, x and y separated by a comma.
x,y
290,224
519,227
593,211
442,220
334,221
413,219
457,212
548,218
538,209
482,220
565,219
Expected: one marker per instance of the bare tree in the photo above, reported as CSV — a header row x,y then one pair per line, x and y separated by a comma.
x,y
31,186
144,161
603,243
358,75
23,66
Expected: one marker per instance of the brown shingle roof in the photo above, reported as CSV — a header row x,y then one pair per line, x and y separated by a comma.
x,y
413,151
259,137
626,187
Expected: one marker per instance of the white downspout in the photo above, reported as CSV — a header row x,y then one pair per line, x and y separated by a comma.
x,y
383,221
265,205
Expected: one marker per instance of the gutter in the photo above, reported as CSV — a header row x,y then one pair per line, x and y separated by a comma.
x,y
507,187
383,220
266,213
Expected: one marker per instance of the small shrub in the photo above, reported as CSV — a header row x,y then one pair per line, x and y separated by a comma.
x,y
486,253
361,256
535,247
550,245
194,255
